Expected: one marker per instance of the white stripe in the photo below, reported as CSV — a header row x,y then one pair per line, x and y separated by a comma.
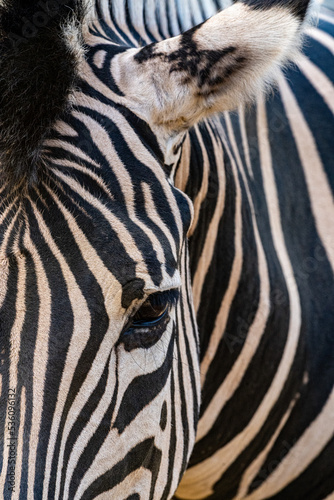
x,y
15,344
20,438
326,18
183,170
4,262
318,79
165,437
179,444
245,141
4,273
209,8
3,217
40,359
202,193
322,37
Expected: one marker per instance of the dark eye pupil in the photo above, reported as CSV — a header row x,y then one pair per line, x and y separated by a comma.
x,y
150,310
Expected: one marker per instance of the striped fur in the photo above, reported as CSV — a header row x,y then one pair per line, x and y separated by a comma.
x,y
264,216
104,227
80,251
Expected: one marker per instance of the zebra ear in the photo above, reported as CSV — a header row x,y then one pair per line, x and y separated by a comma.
x,y
213,67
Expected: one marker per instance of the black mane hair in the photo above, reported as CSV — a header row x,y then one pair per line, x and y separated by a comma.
x,y
38,70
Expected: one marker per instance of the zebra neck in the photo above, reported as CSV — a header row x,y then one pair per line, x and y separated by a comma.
x,y
222,239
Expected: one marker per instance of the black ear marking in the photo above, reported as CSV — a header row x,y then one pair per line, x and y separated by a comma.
x,y
196,64
38,70
147,53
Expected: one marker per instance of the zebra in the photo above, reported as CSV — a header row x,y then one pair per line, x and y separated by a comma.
x,y
105,315
266,428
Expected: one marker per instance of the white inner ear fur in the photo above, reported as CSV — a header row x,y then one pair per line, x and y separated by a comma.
x,y
173,101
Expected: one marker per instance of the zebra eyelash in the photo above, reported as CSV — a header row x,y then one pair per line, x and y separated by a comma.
x,y
158,298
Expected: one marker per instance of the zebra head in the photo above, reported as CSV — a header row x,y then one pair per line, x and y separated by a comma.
x,y
100,369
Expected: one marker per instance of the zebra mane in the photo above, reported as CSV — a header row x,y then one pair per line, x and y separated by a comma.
x,y
40,48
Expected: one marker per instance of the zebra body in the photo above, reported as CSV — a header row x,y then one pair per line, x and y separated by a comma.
x,y
105,404
266,424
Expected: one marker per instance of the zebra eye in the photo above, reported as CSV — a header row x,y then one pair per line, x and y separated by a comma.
x,y
151,312
148,324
